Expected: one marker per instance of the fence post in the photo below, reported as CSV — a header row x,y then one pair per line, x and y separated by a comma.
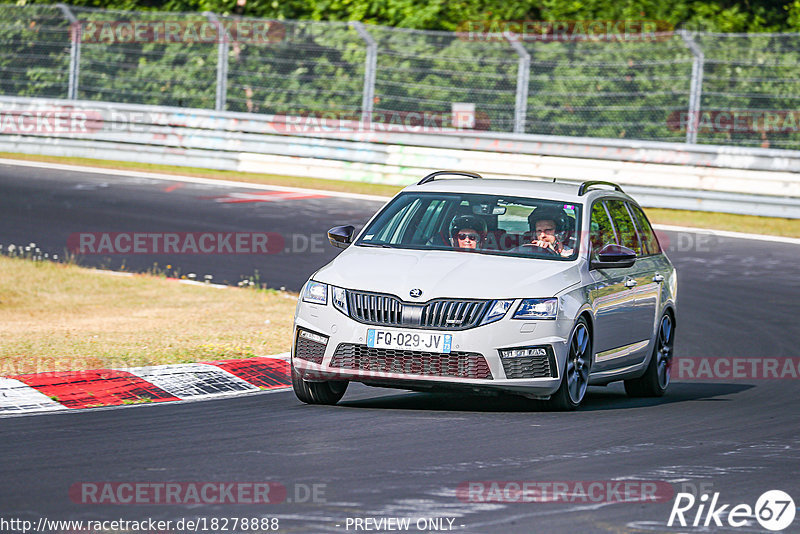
x,y
370,67
74,51
696,88
222,61
523,76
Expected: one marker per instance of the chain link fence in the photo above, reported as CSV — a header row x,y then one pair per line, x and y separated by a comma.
x,y
426,71
735,89
35,52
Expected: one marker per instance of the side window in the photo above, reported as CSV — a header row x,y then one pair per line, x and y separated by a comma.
x,y
430,219
650,243
624,224
393,229
602,231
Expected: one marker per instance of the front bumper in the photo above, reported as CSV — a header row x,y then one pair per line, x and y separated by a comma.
x,y
475,360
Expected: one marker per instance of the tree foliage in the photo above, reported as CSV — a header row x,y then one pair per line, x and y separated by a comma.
x,y
704,15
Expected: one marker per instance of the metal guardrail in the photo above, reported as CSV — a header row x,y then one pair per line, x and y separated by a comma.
x,y
737,180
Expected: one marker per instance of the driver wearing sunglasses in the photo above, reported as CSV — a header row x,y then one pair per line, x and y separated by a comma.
x,y
467,232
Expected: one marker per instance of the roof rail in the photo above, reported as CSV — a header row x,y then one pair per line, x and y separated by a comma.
x,y
432,176
585,186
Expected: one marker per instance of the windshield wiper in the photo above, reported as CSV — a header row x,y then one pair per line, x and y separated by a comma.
x,y
381,245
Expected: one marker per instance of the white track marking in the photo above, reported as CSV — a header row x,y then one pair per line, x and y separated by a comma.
x,y
187,179
193,380
18,397
725,233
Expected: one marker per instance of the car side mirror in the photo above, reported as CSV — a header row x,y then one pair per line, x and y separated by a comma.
x,y
614,256
341,236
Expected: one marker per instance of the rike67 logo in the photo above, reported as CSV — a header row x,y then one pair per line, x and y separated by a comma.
x,y
774,510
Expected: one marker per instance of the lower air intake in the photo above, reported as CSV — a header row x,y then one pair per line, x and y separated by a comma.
x,y
409,362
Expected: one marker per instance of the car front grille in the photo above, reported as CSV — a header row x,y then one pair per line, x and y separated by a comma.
x,y
441,314
308,350
530,366
409,362
373,308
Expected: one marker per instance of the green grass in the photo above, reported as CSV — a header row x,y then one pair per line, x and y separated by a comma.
x,y
139,400
698,219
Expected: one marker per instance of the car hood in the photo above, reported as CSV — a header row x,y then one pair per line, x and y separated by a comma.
x,y
444,273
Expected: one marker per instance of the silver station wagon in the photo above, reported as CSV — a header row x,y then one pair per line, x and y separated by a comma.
x,y
526,287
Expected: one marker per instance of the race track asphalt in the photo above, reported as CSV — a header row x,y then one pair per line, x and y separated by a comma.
x,y
46,207
390,453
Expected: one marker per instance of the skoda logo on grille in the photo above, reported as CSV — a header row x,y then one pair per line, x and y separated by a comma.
x,y
416,293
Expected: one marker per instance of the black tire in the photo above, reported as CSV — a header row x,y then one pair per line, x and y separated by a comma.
x,y
575,378
329,392
655,380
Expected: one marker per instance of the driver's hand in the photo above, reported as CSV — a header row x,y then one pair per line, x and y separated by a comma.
x,y
543,244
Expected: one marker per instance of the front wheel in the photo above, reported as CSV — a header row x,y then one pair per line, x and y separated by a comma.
x,y
654,381
329,392
575,378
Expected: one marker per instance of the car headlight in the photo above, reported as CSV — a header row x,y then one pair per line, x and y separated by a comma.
x,y
339,299
537,309
315,292
497,311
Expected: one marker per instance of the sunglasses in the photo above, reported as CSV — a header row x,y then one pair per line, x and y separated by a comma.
x,y
471,237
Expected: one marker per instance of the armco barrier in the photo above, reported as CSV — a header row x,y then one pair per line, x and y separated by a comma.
x,y
710,178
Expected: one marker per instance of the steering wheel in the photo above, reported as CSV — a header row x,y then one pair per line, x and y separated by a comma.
x,y
536,249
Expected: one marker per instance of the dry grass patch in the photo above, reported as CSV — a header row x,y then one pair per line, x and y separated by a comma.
x,y
56,317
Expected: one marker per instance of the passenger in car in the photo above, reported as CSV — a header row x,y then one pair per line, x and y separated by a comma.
x,y
467,232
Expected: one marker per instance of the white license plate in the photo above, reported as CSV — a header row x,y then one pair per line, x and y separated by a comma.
x,y
421,341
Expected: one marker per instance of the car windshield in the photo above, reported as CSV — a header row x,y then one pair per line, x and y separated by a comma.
x,y
480,224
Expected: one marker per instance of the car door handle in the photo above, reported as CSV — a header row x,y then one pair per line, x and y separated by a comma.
x,y
658,279
630,282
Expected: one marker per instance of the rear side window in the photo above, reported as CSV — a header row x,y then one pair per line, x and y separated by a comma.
x,y
650,243
602,231
626,230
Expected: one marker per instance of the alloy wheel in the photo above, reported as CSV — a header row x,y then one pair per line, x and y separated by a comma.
x,y
577,364
664,351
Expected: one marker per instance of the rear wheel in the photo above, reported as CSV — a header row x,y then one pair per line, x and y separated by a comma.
x,y
329,392
575,378
654,381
